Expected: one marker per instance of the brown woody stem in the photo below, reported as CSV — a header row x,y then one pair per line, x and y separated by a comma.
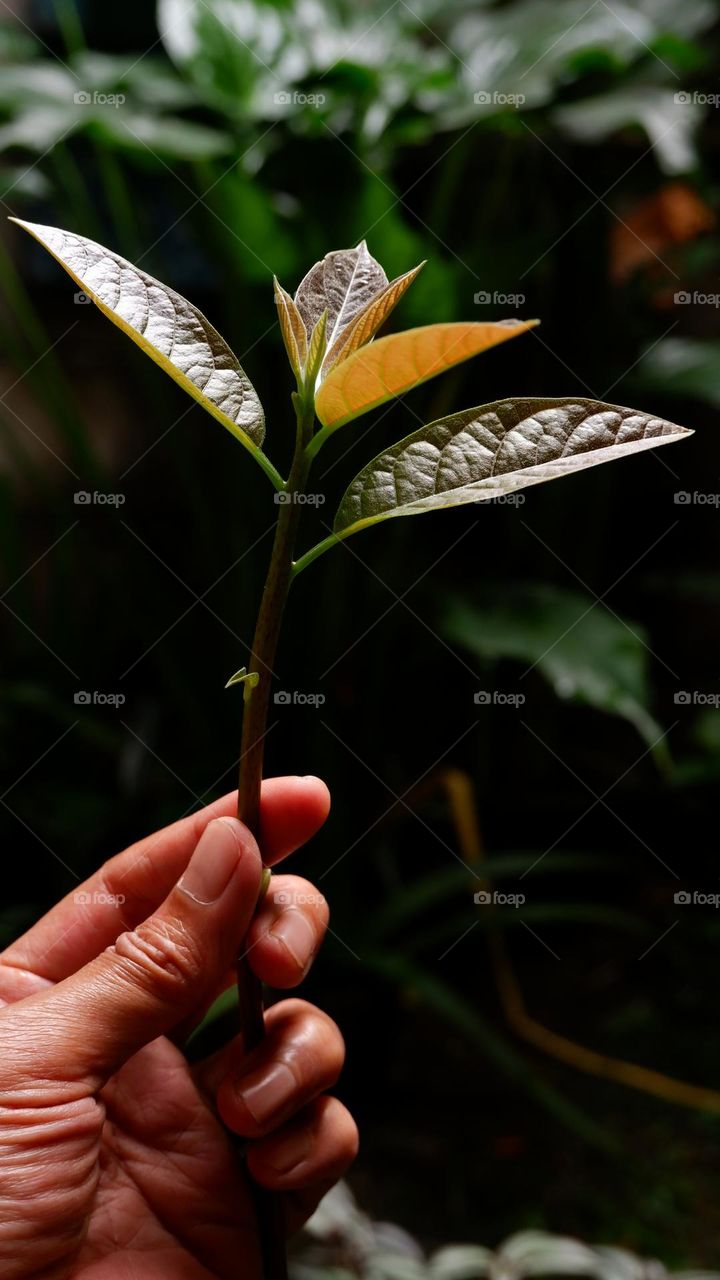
x,y
267,632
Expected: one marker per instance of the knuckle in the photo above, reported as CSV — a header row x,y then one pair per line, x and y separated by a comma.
x,y
308,1041
160,954
324,1044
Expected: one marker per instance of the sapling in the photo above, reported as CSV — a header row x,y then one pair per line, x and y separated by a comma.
x,y
341,371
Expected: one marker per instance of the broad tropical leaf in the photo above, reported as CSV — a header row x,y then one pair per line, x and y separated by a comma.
x,y
394,364
342,284
368,321
166,326
492,451
587,654
292,328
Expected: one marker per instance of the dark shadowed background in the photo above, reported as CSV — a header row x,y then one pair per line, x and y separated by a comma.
x,y
550,159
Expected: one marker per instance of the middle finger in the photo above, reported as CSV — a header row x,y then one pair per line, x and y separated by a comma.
x,y
300,1057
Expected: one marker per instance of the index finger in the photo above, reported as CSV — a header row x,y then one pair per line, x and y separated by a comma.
x,y
131,885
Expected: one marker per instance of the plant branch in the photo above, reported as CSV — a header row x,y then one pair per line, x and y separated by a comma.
x,y
267,630
257,700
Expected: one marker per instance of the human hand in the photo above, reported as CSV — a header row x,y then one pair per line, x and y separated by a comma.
x,y
113,1161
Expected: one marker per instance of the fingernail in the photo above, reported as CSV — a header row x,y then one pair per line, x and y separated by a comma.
x,y
214,861
296,1147
293,929
268,1094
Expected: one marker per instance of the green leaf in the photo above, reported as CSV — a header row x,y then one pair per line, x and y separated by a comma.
x,y
494,450
443,999
176,139
166,327
669,128
227,48
585,653
247,678
681,366
38,129
536,46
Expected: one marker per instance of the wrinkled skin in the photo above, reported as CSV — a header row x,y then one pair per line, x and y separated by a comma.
x,y
114,1162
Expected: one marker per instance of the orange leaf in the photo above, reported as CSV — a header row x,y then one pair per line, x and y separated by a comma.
x,y
362,328
394,364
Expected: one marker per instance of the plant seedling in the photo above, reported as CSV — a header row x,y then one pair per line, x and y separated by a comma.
x,y
341,372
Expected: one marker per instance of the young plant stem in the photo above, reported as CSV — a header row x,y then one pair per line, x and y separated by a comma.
x,y
257,700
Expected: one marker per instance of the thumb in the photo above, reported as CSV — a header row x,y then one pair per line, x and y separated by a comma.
x,y
155,975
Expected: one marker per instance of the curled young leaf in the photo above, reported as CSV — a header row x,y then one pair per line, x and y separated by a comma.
x,y
167,328
316,349
494,450
248,679
368,321
342,284
292,328
394,364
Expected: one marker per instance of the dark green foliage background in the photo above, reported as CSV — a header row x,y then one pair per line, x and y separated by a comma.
x,y
467,1134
